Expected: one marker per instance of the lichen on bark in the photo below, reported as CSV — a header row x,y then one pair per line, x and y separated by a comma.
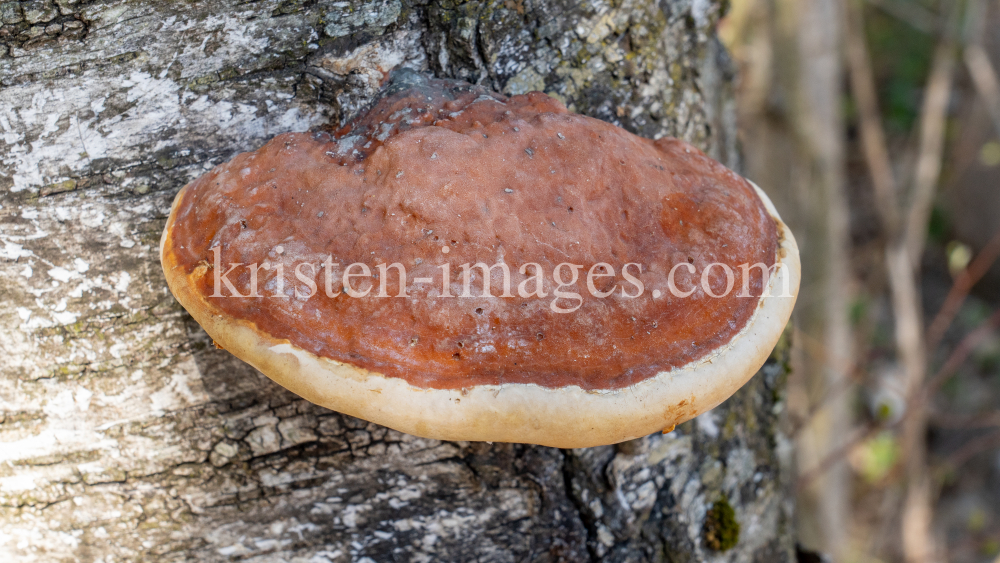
x,y
126,435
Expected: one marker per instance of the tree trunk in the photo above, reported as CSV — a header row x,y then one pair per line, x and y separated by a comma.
x,y
125,435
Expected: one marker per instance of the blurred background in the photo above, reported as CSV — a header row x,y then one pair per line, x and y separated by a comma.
x,y
877,123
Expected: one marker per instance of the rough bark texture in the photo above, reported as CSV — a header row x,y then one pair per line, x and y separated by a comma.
x,y
124,435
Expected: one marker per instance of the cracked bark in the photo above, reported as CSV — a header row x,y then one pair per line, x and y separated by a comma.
x,y
125,435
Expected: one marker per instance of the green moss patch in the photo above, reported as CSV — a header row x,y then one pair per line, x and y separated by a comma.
x,y
721,531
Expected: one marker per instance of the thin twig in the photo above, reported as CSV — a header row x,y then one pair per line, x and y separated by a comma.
x,y
951,365
984,77
860,435
960,289
818,349
905,244
945,420
958,356
919,543
971,448
933,119
917,16
873,141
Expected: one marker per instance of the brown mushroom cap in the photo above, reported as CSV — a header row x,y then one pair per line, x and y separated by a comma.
x,y
442,172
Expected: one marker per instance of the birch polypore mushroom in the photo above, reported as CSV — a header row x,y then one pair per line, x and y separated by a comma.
x,y
461,265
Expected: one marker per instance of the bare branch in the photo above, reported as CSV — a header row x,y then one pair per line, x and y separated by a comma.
x,y
957,357
860,435
960,288
946,420
933,116
959,354
971,448
872,133
912,13
847,366
984,77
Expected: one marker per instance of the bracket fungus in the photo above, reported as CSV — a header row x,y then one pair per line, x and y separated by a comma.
x,y
461,265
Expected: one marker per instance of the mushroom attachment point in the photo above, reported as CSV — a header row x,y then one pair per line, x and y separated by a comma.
x,y
462,265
